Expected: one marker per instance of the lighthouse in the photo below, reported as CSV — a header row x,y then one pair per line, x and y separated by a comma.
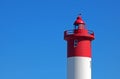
x,y
79,50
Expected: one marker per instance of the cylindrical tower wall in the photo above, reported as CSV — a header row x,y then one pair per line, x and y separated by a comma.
x,y
79,47
78,68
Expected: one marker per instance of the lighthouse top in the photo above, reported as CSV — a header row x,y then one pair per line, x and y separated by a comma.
x,y
79,31
79,21
79,39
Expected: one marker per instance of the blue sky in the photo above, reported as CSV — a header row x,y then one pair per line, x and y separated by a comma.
x,y
31,37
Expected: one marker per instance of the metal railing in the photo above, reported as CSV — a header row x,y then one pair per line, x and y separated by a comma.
x,y
91,32
68,32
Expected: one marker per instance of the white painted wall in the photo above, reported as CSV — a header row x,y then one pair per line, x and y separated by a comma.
x,y
78,68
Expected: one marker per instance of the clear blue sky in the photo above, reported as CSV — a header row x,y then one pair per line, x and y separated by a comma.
x,y
31,37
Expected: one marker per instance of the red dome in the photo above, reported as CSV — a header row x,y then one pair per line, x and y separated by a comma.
x,y
78,21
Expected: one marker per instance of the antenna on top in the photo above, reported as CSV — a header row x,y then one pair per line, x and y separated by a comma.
x,y
80,14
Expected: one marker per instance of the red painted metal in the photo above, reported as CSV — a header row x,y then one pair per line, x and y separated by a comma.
x,y
78,21
84,38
